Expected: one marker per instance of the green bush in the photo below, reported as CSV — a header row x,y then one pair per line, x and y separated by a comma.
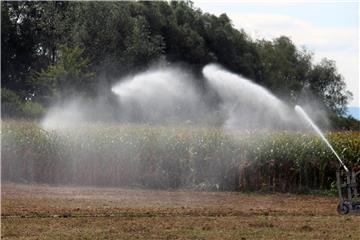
x,y
32,109
13,107
10,103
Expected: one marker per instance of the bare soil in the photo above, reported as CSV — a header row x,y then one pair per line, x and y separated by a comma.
x,y
62,212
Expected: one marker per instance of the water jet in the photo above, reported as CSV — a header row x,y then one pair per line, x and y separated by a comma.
x,y
346,182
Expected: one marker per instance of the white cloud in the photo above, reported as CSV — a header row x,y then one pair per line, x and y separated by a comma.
x,y
339,44
305,33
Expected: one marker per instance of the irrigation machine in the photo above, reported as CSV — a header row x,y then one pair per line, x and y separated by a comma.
x,y
345,179
348,192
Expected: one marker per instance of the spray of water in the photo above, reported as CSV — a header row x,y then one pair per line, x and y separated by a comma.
x,y
318,131
75,111
168,95
247,104
160,95
155,97
62,116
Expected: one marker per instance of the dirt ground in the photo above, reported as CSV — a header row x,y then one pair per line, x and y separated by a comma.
x,y
58,212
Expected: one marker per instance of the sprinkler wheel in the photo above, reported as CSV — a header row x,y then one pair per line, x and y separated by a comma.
x,y
342,209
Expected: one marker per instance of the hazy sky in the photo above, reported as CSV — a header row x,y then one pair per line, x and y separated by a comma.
x,y
327,28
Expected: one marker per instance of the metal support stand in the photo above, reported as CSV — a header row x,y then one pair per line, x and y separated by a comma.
x,y
347,186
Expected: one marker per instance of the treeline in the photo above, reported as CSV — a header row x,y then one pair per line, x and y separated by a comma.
x,y
53,49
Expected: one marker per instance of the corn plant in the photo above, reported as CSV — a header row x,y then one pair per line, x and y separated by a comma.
x,y
173,157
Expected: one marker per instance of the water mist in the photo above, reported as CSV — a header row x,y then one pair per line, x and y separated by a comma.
x,y
149,130
169,95
160,95
247,104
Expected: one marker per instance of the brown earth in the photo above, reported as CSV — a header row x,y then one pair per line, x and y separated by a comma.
x,y
58,212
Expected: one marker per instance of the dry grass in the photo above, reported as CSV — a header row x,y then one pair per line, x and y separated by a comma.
x,y
48,212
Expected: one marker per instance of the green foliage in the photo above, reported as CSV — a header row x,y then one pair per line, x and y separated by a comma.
x,y
13,106
166,157
32,109
328,85
69,73
284,69
141,47
10,103
344,123
63,43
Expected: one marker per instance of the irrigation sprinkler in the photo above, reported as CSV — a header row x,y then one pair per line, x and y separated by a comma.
x,y
348,194
345,180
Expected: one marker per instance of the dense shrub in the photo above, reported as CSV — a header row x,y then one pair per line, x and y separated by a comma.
x,y
10,103
167,157
12,106
32,109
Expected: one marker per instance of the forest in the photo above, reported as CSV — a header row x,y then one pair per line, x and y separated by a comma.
x,y
51,50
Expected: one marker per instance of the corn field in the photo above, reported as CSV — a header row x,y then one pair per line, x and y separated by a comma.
x,y
173,157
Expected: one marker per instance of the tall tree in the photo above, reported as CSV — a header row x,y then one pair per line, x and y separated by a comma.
x,y
329,86
68,75
18,43
141,46
283,68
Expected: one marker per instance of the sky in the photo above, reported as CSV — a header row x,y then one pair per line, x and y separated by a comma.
x,y
327,28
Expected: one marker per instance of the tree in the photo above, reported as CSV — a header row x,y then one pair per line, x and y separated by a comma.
x,y
141,47
329,86
18,44
113,39
283,68
69,74
10,103
31,31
